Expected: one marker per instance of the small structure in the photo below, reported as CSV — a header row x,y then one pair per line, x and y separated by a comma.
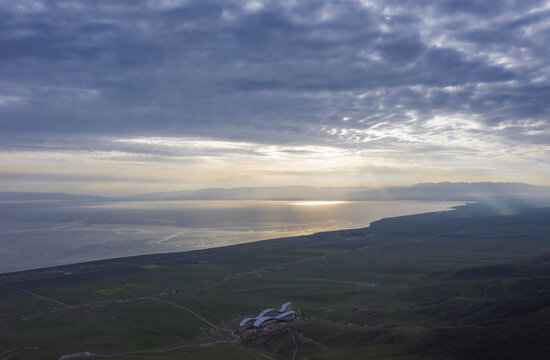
x,y
370,284
268,317
76,356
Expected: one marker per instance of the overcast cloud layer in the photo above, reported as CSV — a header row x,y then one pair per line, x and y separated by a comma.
x,y
378,91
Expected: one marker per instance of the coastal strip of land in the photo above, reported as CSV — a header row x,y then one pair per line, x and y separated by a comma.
x,y
470,283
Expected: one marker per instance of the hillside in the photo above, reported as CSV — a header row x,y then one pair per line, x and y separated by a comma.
x,y
466,284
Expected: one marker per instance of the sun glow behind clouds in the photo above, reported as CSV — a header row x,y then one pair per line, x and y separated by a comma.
x,y
317,157
129,165
316,203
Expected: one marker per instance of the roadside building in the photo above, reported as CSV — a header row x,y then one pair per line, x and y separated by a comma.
x,y
268,317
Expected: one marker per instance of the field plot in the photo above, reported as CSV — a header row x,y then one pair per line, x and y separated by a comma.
x,y
467,284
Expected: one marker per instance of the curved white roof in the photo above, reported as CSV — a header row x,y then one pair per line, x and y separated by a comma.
x,y
264,312
261,319
284,307
284,314
246,320
258,320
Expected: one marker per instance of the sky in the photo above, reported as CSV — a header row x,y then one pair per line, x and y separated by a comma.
x,y
131,96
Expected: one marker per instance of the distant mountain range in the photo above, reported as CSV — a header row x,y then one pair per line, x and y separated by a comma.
x,y
28,196
462,191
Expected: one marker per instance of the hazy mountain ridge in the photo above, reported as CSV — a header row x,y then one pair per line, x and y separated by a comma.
x,y
475,191
29,196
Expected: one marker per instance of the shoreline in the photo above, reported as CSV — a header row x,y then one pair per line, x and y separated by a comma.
x,y
401,283
110,263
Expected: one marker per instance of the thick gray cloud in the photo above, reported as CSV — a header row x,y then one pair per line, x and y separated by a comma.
x,y
273,71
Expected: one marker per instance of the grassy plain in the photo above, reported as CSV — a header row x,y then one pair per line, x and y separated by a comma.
x,y
473,283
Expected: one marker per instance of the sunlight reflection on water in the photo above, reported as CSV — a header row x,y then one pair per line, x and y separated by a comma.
x,y
316,203
39,234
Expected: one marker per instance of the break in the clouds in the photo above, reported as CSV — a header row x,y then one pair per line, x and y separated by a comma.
x,y
185,93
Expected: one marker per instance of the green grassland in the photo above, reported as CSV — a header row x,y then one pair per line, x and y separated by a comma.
x,y
473,283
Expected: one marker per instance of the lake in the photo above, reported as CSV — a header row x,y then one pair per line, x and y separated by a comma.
x,y
36,234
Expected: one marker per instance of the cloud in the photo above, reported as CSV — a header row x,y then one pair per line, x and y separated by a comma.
x,y
389,76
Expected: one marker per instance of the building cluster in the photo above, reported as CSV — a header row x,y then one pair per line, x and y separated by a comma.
x,y
269,317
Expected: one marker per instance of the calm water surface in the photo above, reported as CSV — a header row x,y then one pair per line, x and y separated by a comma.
x,y
46,233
